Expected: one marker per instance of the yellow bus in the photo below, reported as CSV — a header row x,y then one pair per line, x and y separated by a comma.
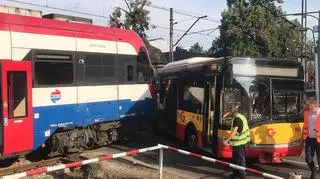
x,y
194,95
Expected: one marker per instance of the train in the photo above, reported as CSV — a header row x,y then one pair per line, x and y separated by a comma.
x,y
68,86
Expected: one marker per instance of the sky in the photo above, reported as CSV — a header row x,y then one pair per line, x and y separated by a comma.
x,y
101,9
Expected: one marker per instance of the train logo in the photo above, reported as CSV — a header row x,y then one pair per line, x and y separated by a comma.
x,y
55,96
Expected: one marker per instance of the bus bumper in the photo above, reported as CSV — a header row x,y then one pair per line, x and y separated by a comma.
x,y
265,153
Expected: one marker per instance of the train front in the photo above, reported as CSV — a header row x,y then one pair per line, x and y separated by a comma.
x,y
270,95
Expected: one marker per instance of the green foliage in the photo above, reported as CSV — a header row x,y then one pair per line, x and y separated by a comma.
x,y
135,18
256,28
196,48
114,18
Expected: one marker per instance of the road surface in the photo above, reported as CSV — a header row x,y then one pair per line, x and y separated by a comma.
x,y
187,167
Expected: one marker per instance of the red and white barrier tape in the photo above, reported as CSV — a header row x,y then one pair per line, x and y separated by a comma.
x,y
79,163
223,163
132,152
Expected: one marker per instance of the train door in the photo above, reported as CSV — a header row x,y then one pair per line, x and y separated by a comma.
x,y
16,89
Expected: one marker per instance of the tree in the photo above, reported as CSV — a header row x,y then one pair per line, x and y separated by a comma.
x,y
256,28
196,48
136,17
114,19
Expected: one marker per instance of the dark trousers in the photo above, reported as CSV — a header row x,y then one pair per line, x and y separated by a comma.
x,y
311,147
239,158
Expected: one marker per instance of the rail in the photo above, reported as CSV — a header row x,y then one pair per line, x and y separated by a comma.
x,y
133,152
29,166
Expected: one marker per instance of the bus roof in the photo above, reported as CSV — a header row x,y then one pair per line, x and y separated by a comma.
x,y
199,64
189,63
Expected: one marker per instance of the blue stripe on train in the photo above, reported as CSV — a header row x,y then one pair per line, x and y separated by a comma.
x,y
52,117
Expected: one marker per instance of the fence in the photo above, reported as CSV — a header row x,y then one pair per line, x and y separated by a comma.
x,y
133,152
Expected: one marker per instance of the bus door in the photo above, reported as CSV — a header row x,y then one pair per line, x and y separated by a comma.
x,y
209,110
190,112
16,104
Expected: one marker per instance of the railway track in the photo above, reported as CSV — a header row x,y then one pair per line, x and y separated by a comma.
x,y
29,166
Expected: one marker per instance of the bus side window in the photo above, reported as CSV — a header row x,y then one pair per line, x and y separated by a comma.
x,y
193,98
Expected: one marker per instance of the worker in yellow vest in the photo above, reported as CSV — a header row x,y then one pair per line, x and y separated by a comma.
x,y
238,139
311,135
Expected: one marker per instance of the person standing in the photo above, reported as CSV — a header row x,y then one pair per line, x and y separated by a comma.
x,y
311,135
238,139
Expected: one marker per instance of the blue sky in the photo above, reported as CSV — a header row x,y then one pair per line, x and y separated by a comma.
x,y
160,18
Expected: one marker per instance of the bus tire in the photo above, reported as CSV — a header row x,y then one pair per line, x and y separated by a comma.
x,y
191,137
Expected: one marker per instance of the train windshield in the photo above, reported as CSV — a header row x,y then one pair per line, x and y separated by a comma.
x,y
273,98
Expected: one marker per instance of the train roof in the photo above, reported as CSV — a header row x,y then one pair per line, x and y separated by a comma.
x,y
58,24
45,26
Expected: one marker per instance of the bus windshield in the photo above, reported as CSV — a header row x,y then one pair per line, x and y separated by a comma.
x,y
285,95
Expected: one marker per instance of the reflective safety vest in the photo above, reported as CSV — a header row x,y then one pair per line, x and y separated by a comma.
x,y
244,136
306,126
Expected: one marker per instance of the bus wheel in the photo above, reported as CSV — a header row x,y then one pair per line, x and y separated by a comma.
x,y
191,138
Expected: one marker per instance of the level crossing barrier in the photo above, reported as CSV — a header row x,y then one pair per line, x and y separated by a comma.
x,y
159,147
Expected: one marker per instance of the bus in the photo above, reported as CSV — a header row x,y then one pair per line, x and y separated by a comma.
x,y
194,95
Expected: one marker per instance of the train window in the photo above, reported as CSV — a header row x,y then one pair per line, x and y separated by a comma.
x,y
126,71
53,69
129,73
144,71
17,94
95,69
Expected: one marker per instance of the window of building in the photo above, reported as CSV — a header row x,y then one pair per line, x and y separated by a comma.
x,y
53,69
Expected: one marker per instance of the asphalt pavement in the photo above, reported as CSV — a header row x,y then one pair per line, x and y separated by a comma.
x,y
188,167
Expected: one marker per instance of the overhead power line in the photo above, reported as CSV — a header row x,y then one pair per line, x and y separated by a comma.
x,y
185,13
190,33
60,9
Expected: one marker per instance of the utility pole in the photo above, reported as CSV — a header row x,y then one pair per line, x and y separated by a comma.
x,y
316,50
318,54
171,56
305,32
